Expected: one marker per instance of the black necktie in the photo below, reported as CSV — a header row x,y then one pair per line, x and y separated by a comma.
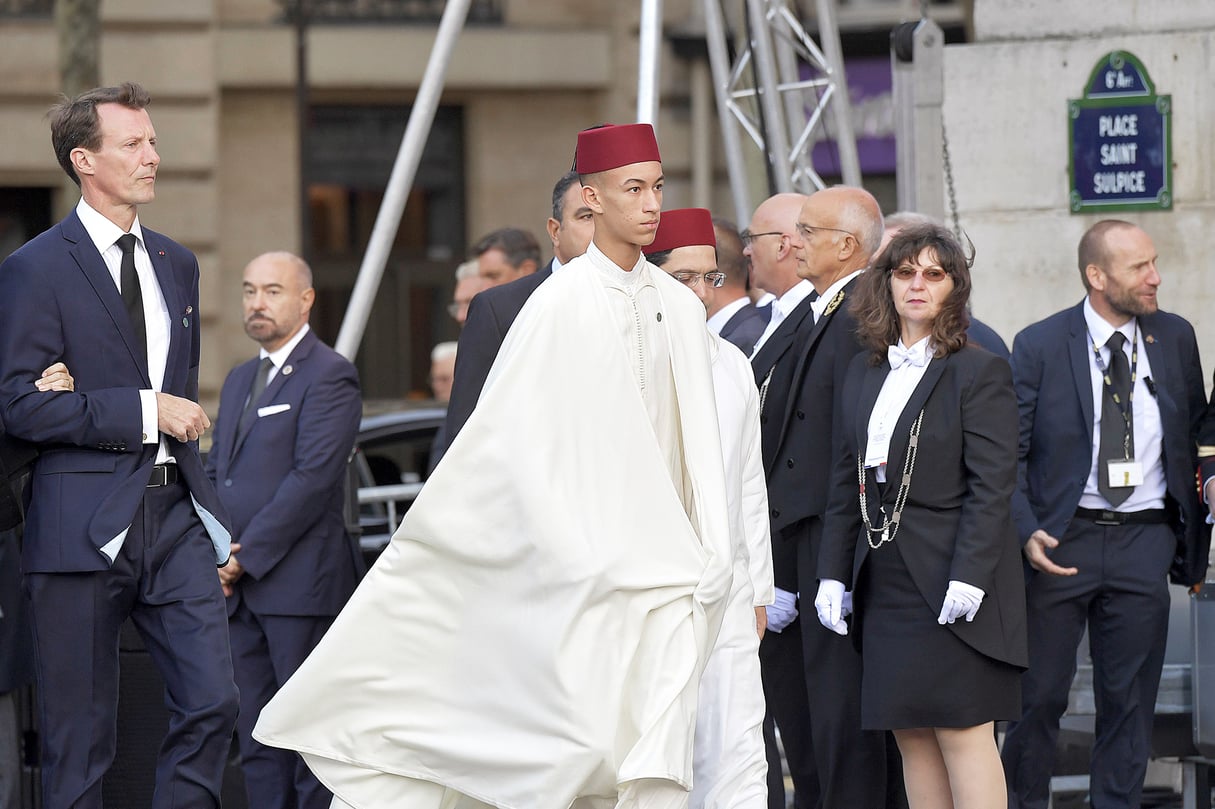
x,y
1114,428
260,379
132,298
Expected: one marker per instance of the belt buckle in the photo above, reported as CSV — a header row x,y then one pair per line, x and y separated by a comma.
x,y
159,477
1109,518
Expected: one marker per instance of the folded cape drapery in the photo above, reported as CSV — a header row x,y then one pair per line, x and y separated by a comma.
x,y
536,630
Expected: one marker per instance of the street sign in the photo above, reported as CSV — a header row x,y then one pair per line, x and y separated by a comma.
x,y
1120,138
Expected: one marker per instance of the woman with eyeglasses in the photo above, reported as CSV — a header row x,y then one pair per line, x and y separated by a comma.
x,y
919,543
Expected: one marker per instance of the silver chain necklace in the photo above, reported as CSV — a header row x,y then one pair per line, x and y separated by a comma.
x,y
890,525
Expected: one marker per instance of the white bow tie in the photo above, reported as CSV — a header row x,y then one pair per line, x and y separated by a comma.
x,y
898,356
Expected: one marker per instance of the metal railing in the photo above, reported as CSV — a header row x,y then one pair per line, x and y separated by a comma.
x,y
397,11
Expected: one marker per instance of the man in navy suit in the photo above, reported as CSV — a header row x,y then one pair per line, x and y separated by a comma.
x,y
286,427
122,521
1110,393
729,309
492,311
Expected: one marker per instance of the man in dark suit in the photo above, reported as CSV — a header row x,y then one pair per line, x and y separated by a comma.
x,y
1110,394
506,255
768,243
122,521
492,311
729,309
837,232
286,427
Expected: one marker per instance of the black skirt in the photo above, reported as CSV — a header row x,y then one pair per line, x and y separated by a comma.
x,y
917,673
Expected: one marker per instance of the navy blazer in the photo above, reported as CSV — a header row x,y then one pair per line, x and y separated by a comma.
x,y
1051,372
490,315
955,523
745,326
58,302
283,481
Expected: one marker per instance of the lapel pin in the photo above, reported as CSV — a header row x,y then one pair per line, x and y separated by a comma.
x,y
1150,339
287,369
189,309
160,252
185,321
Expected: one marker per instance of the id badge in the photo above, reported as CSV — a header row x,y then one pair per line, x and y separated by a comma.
x,y
1124,473
878,448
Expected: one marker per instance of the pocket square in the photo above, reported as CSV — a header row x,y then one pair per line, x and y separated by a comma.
x,y
270,410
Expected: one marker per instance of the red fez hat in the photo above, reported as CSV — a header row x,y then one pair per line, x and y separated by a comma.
x,y
612,146
683,227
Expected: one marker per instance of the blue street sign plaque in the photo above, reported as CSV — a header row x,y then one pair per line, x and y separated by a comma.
x,y
1120,139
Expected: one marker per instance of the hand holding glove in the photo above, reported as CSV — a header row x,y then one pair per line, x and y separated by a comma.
x,y
783,611
960,599
832,605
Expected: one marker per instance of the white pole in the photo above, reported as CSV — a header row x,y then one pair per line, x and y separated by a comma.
x,y
421,117
647,64
719,62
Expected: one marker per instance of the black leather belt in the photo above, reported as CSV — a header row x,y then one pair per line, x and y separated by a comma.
x,y
163,474
1148,516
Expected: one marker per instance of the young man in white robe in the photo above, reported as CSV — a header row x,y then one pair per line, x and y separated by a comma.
x,y
730,767
535,634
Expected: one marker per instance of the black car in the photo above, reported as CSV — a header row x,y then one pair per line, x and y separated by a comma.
x,y
391,463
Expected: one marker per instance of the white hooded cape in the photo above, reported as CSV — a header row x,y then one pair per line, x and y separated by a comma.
x,y
536,630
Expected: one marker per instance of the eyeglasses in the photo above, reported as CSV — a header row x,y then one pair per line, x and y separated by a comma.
x,y
747,236
692,279
807,231
933,275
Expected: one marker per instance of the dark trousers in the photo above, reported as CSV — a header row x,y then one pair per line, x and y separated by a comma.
x,y
165,581
1121,592
784,681
853,766
266,651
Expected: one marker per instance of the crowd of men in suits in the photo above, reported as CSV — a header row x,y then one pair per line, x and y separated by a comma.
x,y
122,520
796,258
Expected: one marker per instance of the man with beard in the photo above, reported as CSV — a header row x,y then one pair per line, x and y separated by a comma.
x,y
286,427
1110,393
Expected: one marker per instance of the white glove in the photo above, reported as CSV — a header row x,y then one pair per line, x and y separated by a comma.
x,y
832,604
960,599
783,611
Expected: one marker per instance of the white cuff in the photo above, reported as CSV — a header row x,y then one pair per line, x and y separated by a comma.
x,y
151,416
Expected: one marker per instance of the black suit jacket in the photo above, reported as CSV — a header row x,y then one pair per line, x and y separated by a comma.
x,y
796,437
745,326
490,315
1051,372
955,524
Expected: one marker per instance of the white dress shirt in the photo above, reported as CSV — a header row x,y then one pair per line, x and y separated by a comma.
x,y
105,235
819,306
1149,434
781,307
722,316
277,358
892,399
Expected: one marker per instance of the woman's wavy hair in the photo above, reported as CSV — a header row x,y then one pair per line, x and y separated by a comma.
x,y
877,319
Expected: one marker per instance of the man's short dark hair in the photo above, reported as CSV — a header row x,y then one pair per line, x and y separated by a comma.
x,y
563,185
515,243
74,121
